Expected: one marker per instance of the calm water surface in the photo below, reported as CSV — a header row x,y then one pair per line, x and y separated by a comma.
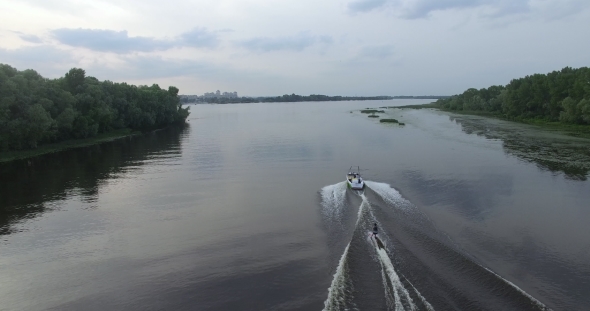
x,y
246,209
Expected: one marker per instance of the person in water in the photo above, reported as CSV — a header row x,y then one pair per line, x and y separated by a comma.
x,y
375,230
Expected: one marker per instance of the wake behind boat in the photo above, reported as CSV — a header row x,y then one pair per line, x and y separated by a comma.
x,y
354,179
379,243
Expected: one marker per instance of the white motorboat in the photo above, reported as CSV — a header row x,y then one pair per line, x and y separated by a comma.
x,y
354,179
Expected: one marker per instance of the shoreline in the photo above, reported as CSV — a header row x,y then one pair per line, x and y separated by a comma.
x,y
574,130
9,156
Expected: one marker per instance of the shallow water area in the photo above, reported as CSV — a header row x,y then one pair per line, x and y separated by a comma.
x,y
246,208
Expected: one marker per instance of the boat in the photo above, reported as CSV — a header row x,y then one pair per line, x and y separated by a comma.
x,y
354,179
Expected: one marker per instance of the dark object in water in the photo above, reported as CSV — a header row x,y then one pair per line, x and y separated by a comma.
x,y
379,243
388,121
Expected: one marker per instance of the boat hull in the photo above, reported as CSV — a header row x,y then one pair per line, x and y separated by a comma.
x,y
355,185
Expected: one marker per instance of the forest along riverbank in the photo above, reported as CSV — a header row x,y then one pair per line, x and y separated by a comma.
x,y
76,110
556,100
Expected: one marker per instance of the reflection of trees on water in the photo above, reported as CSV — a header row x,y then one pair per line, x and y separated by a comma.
x,y
570,156
27,186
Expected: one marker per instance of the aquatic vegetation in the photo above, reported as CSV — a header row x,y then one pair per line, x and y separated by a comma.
x,y
388,121
549,150
422,106
373,116
372,111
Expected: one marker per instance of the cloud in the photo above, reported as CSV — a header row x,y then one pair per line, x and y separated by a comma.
x,y
199,37
413,9
149,67
104,40
35,54
108,40
325,39
52,63
365,5
45,59
421,8
294,43
68,6
28,37
31,38
560,9
190,75
376,52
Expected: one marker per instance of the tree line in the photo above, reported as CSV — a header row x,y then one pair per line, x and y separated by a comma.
x,y
283,98
36,110
319,98
562,96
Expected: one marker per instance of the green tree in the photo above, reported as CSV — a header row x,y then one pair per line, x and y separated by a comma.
x,y
584,109
35,110
570,113
38,122
74,80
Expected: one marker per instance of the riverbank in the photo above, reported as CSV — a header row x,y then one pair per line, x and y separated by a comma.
x,y
8,156
575,130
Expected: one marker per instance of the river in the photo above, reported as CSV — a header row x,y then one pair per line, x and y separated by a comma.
x,y
246,208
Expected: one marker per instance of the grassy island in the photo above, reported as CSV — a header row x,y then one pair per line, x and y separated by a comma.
x,y
372,111
423,106
40,115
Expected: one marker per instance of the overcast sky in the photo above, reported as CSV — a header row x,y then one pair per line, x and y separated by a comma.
x,y
271,47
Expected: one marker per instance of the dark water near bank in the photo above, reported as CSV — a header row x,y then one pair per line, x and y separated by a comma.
x,y
245,209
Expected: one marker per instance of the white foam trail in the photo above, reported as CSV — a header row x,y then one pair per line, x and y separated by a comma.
x,y
424,301
333,200
398,287
390,298
533,299
382,234
361,209
388,194
386,265
337,292
392,196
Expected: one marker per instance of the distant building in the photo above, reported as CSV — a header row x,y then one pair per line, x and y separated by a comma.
x,y
204,97
218,94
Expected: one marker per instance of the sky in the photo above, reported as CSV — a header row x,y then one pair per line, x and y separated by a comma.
x,y
272,47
